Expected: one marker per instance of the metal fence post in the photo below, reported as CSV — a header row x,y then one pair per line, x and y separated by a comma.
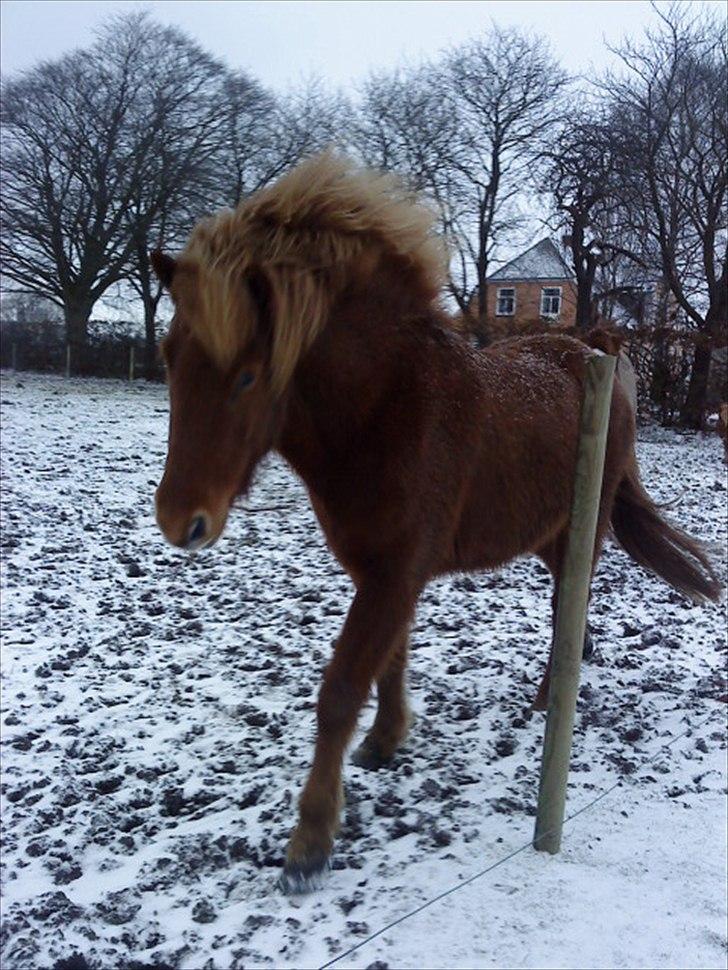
x,y
573,601
131,362
14,356
68,360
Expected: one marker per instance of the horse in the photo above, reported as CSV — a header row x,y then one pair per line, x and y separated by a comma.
x,y
308,321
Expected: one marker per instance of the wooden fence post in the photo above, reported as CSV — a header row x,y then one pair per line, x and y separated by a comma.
x,y
68,360
131,362
573,602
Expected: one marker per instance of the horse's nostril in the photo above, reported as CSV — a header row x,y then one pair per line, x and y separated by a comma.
x,y
197,530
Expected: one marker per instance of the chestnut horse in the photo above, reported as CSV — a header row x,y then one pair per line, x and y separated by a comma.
x,y
307,321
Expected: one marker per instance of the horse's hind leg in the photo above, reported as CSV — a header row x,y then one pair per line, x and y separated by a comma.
x,y
393,718
619,448
552,556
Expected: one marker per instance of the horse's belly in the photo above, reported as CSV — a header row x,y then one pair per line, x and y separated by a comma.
x,y
509,515
478,546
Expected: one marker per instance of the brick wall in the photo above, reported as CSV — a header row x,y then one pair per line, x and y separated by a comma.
x,y
528,305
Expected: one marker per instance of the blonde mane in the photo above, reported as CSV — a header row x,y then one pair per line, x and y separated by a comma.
x,y
319,227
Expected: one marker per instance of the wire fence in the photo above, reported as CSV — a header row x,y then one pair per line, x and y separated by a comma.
x,y
661,358
117,352
511,855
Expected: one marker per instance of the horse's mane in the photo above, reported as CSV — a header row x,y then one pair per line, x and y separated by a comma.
x,y
324,225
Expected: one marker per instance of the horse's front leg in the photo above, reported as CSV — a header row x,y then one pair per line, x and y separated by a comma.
x,y
393,718
376,619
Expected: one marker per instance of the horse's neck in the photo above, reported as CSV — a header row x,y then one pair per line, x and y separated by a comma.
x,y
340,388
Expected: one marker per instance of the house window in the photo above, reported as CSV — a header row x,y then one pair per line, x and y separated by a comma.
x,y
550,301
506,301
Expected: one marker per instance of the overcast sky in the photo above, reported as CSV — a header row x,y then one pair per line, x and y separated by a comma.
x,y
280,42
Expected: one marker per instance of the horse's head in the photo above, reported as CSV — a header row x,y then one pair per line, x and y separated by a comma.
x,y
223,416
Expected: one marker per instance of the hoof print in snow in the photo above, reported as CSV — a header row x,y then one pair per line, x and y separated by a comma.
x,y
108,785
119,908
256,920
650,638
66,872
76,961
173,802
440,838
204,912
347,905
505,746
37,848
55,909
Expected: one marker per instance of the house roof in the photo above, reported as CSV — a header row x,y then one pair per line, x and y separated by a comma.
x,y
541,262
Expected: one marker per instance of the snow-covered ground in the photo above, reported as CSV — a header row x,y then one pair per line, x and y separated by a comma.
x,y
158,716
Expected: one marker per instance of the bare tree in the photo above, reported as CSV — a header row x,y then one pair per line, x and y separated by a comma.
x,y
503,91
96,147
308,119
242,163
202,101
223,137
672,146
59,126
402,125
579,174
465,129
267,134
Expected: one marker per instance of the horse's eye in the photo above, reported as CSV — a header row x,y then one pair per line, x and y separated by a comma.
x,y
244,381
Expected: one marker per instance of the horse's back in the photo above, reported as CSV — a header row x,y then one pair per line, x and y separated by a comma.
x,y
552,354
521,489
557,350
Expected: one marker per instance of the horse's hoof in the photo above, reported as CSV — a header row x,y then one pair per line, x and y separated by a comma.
x,y
366,756
298,878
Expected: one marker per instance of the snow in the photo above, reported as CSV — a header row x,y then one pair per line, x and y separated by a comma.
x,y
158,714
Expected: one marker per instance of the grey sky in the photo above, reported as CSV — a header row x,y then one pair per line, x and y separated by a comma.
x,y
280,42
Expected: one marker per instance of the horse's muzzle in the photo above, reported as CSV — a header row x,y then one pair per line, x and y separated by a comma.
x,y
188,530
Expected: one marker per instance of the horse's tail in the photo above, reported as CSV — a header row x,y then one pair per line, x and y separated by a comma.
x,y
659,546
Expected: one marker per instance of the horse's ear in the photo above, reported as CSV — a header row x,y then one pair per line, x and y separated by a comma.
x,y
164,266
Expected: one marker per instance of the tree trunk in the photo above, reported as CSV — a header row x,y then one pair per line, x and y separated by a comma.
x,y
482,332
693,410
76,315
584,268
660,377
150,340
150,302
584,303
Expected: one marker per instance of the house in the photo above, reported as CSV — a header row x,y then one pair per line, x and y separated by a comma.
x,y
536,287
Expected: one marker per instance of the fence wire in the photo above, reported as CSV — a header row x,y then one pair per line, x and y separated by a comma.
x,y
511,855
